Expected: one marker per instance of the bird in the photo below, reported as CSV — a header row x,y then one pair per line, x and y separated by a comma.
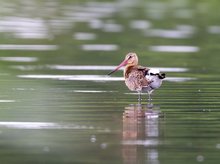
x,y
138,78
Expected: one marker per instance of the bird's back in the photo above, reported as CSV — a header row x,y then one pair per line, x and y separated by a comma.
x,y
135,78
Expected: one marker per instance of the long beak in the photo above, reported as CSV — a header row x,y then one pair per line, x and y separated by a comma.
x,y
125,62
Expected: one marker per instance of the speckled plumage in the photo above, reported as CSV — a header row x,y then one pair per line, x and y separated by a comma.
x,y
135,78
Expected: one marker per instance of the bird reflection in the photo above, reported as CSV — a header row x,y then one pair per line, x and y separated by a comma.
x,y
141,134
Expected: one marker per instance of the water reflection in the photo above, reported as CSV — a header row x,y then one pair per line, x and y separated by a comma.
x,y
141,129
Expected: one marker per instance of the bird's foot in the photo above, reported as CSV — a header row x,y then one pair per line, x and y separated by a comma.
x,y
149,100
139,101
150,105
139,98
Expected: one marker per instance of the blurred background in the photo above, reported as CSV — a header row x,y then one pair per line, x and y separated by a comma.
x,y
58,106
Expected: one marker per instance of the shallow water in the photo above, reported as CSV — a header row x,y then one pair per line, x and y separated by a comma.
x,y
58,105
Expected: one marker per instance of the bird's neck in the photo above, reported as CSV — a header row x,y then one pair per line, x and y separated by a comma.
x,y
128,69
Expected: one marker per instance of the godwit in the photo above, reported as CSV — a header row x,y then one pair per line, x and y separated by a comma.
x,y
138,78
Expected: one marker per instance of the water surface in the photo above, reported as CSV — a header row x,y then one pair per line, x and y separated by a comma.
x,y
59,106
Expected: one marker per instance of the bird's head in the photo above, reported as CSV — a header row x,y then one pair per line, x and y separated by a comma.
x,y
130,59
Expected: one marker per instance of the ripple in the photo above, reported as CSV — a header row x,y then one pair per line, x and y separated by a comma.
x,y
95,78
112,27
109,67
180,32
28,47
149,142
84,36
214,29
19,59
42,125
140,24
81,67
99,47
74,77
6,101
179,79
89,68
27,28
175,34
50,125
27,67
90,91
91,11
95,24
172,48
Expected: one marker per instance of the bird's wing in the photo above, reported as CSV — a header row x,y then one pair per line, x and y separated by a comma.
x,y
143,69
139,67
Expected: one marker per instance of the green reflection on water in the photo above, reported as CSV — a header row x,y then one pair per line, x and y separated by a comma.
x,y
96,131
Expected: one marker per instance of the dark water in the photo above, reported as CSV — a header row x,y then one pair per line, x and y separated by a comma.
x,y
58,106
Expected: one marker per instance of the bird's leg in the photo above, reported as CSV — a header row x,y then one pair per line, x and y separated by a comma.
x,y
139,98
149,97
150,104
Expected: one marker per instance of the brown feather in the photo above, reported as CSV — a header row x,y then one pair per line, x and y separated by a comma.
x,y
135,77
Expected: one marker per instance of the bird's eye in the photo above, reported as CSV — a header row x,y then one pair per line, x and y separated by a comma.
x,y
129,57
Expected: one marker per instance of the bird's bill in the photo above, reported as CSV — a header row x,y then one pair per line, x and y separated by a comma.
x,y
125,62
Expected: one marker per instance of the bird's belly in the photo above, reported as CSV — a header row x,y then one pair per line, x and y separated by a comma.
x,y
147,89
153,85
135,84
156,84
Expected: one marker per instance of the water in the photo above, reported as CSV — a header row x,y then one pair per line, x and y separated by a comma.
x,y
59,106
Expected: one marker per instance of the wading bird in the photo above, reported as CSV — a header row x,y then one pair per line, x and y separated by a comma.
x,y
138,78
